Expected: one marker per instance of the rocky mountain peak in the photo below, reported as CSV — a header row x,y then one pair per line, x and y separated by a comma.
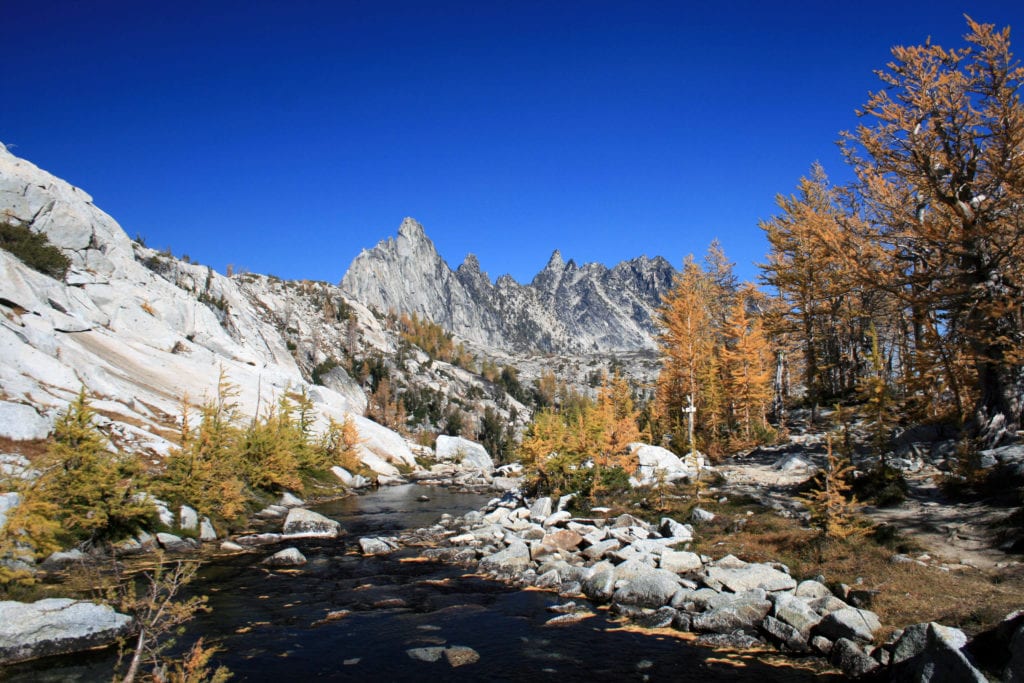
x,y
471,264
565,308
556,262
412,230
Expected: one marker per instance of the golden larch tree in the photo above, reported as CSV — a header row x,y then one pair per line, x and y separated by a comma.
x,y
747,360
939,163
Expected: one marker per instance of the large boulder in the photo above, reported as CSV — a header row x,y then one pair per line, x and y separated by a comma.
x,y
787,637
56,626
599,583
744,614
466,453
739,579
914,640
63,559
679,533
206,530
849,622
514,558
646,587
188,518
302,523
680,561
289,557
939,659
173,543
563,539
20,422
796,613
1009,458
540,509
378,545
658,466
352,481
1015,669
851,658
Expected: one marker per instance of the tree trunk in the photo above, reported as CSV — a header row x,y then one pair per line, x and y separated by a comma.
x,y
133,668
998,415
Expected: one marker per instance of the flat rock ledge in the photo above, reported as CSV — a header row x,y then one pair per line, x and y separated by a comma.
x,y
303,523
56,626
646,573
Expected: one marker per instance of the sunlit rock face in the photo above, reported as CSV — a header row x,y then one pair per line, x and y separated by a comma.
x,y
140,330
566,309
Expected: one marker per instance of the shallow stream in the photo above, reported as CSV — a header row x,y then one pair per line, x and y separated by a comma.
x,y
343,617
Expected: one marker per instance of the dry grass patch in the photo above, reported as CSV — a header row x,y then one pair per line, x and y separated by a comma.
x,y
30,449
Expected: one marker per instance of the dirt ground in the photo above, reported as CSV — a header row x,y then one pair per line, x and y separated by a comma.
x,y
954,534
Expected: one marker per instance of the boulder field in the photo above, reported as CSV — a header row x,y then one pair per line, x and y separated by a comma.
x,y
644,573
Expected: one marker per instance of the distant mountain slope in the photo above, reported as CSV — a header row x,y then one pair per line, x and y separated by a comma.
x,y
566,309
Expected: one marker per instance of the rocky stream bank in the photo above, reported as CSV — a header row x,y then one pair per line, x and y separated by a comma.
x,y
641,573
644,573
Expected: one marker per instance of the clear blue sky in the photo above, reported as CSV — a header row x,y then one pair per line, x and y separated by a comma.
x,y
285,137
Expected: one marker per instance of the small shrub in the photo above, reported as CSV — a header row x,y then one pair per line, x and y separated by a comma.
x,y
882,485
833,513
34,249
155,601
613,480
84,493
323,368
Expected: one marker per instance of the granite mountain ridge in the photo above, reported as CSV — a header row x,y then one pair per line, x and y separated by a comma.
x,y
567,309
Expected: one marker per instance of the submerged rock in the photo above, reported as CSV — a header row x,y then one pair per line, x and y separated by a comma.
x,y
425,654
663,617
56,626
567,619
731,641
460,655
